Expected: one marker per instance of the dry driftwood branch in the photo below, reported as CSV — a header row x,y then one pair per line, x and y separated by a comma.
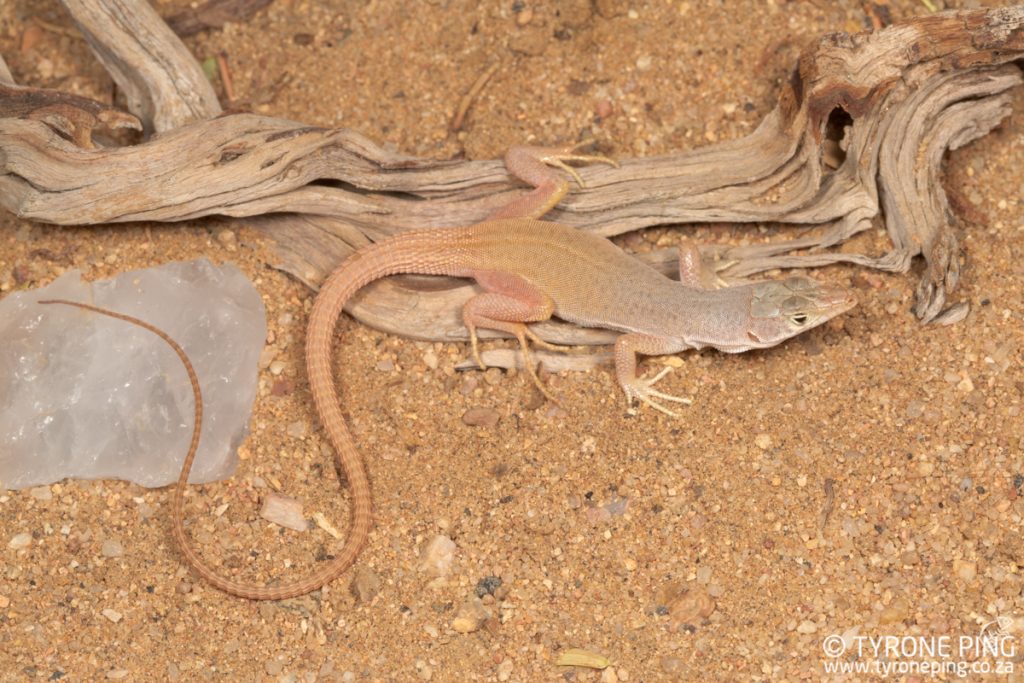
x,y
164,86
861,126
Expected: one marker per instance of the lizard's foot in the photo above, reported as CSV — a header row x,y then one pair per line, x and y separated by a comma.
x,y
546,345
559,156
532,370
643,391
527,357
474,345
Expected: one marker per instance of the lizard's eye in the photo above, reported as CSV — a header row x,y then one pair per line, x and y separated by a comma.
x,y
799,319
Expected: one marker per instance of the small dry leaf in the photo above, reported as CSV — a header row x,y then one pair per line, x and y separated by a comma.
x,y
322,522
575,656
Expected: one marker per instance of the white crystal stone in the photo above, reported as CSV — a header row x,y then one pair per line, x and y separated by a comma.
x,y
85,395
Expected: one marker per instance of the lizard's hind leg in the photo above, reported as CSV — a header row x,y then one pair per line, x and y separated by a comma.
x,y
508,304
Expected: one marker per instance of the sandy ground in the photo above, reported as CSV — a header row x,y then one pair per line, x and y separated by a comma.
x,y
862,481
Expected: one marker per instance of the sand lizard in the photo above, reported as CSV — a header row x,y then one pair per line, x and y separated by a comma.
x,y
529,270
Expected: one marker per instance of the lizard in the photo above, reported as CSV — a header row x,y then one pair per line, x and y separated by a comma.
x,y
529,270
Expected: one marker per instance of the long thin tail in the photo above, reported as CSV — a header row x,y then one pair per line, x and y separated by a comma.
x,y
406,253
178,504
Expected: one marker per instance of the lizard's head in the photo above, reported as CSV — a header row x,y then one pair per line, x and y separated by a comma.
x,y
781,309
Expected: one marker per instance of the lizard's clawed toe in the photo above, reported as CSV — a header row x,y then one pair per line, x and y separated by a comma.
x,y
643,391
559,158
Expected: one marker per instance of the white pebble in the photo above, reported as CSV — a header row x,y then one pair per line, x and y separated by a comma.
x,y
20,541
284,511
438,555
41,493
807,626
111,548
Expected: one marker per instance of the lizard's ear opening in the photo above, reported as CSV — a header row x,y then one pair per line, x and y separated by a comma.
x,y
799,319
753,337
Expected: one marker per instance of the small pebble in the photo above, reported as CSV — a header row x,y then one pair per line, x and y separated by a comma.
x,y
915,409
282,387
41,493
965,570
471,616
284,511
487,585
112,614
386,365
274,666
481,417
469,384
277,367
505,670
671,665
691,608
20,541
365,584
807,626
227,239
298,429
266,357
430,359
111,548
763,441
438,556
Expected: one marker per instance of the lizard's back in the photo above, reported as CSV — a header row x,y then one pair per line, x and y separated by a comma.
x,y
591,281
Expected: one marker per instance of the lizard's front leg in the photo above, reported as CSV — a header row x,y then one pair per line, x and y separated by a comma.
x,y
626,348
535,165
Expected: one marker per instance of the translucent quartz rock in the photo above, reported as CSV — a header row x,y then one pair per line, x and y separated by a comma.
x,y
85,395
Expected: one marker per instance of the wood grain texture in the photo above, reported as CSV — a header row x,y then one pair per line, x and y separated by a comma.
x,y
858,136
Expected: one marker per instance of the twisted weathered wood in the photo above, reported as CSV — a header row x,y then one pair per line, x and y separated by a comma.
x,y
859,133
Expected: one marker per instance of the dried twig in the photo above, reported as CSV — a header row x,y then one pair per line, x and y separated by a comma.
x,y
467,101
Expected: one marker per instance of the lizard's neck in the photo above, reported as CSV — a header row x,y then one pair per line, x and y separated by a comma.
x,y
703,317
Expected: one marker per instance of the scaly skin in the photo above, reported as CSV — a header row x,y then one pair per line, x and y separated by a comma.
x,y
529,270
